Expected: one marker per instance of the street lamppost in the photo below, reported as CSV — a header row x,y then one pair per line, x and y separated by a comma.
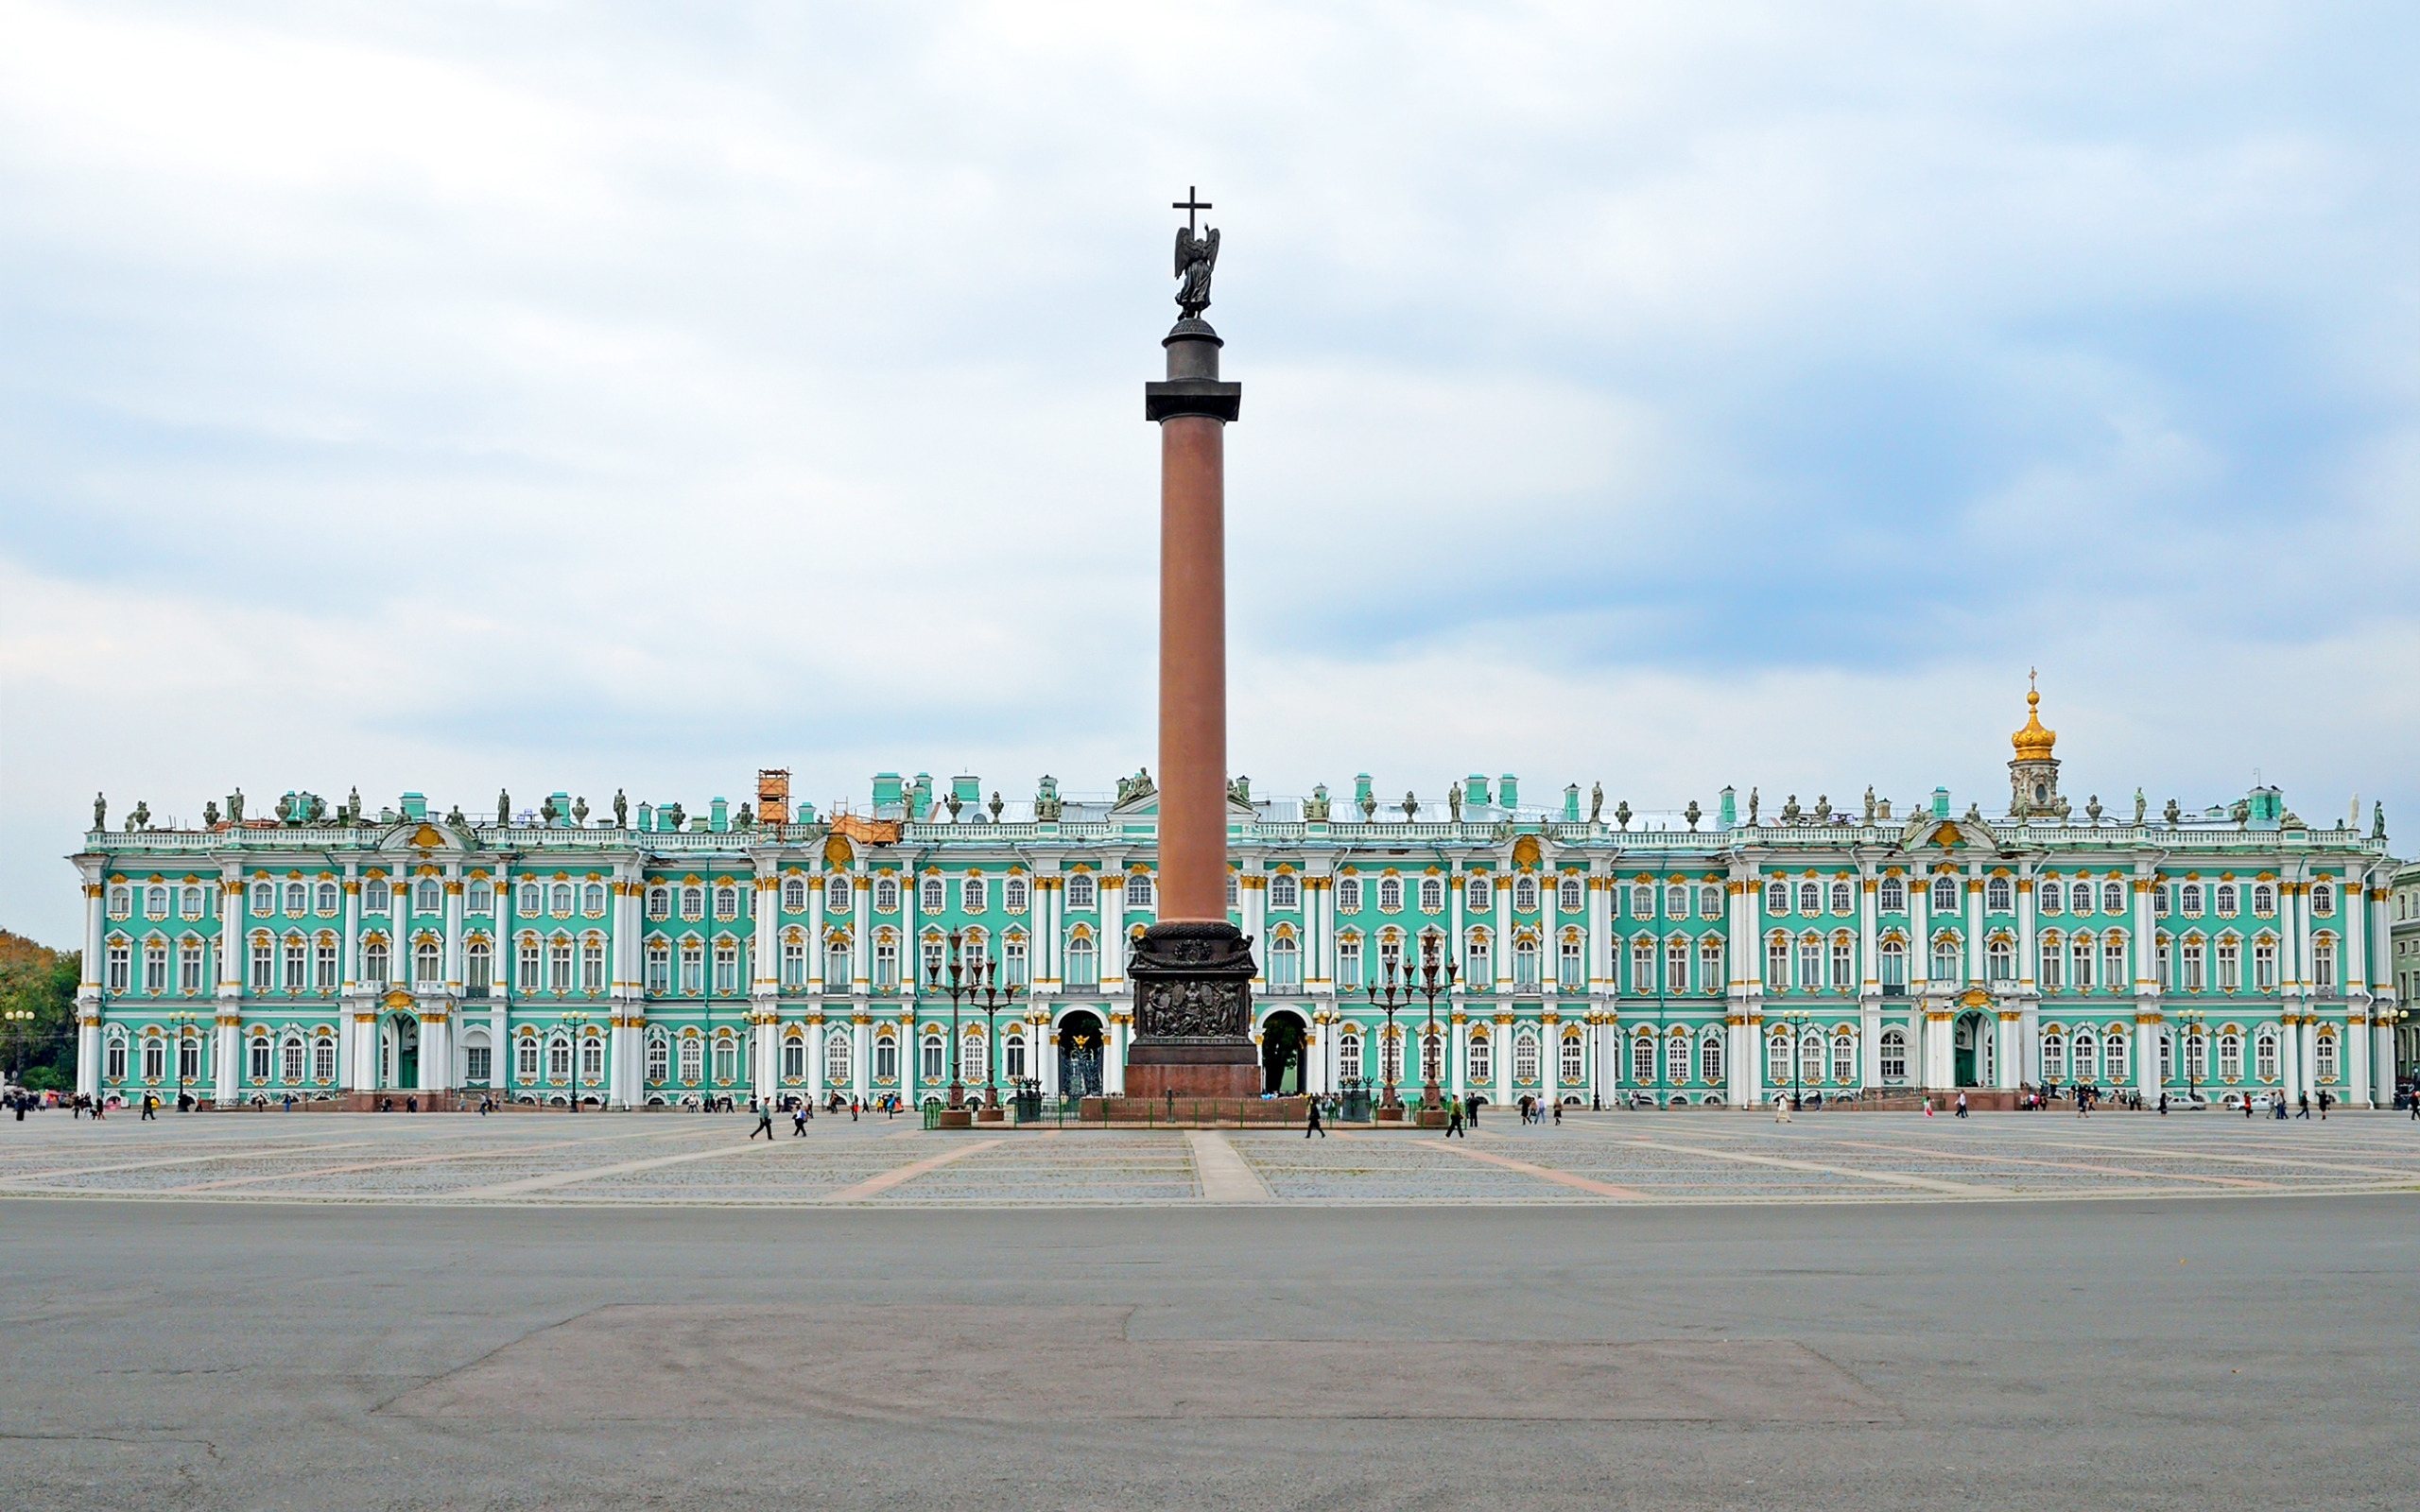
x,y
572,1018
183,1019
2192,1019
1433,983
1798,1019
986,991
960,985
1397,995
17,1020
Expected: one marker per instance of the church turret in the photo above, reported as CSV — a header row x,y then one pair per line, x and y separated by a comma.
x,y
2033,774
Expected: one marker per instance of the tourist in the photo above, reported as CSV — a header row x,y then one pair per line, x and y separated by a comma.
x,y
150,1114
1453,1120
2303,1098
1961,1101
1474,1101
1558,1112
2163,1103
2322,1105
764,1120
1781,1108
798,1120
1313,1125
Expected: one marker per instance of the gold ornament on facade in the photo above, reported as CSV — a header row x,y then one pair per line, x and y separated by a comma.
x,y
2034,743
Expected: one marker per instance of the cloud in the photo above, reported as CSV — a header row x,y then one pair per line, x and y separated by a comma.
x,y
436,398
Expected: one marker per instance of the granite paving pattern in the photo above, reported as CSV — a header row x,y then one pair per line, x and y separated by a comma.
x,y
672,1160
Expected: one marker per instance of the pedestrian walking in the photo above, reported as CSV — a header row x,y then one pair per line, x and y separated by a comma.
x,y
1962,1101
1781,1109
149,1110
2324,1100
1314,1125
1453,1120
798,1121
1558,1110
1473,1100
2304,1098
764,1124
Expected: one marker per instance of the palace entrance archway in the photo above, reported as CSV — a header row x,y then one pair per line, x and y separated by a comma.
x,y
1080,1055
1281,1034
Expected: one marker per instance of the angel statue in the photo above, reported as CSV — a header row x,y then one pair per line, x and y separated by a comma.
x,y
1195,257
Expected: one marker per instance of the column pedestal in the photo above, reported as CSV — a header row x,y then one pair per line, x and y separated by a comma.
x,y
1192,1013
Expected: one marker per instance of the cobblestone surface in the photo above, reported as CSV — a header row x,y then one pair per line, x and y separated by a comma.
x,y
1632,1158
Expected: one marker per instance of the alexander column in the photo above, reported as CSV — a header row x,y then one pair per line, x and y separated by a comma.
x,y
1192,970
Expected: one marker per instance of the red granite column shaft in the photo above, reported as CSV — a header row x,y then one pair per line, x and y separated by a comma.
x,y
1193,669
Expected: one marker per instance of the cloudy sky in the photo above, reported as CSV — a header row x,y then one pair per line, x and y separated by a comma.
x,y
451,397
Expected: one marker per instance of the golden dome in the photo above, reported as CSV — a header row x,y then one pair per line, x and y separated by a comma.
x,y
2034,743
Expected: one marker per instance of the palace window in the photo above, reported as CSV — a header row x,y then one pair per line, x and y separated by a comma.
x,y
838,1057
836,893
592,900
2087,1068
2323,900
2054,1055
1525,1053
793,961
2080,957
1479,893
932,896
794,895
1571,972
2264,965
264,967
1015,894
932,1069
2222,900
1710,964
1348,962
1480,970
1894,964
479,976
264,900
1525,899
726,902
1810,899
373,962
2113,1055
1573,1069
726,968
259,1059
1642,901
2322,963
1676,903
1571,896
2113,897
693,902
659,903
1710,1060
1676,967
328,898
558,965
1894,1055
155,966
1810,1056
1776,964
1348,1054
323,958
659,967
1945,958
1945,895
2047,972
2264,898
297,956
1138,891
1810,964
1842,900
886,895
1843,965
2264,1053
2114,975
478,898
2230,959
973,895
190,956
1999,896
1284,963
1013,961
1676,1061
1891,897
1843,1057
693,1058
290,1062
114,1060
2050,895
592,964
1642,1061
1080,890
559,897
2230,1056
1999,960
1083,965
1390,894
1778,1061
298,899
2197,1051
2190,900
1709,902
196,902
1013,1055
1525,963
693,966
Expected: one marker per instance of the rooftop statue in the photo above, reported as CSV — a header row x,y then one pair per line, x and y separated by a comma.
x,y
100,810
1596,800
1196,256
1453,801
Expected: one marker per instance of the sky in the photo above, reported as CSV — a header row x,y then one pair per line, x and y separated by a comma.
x,y
448,397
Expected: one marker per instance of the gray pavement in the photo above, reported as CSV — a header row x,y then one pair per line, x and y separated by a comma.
x,y
2140,1352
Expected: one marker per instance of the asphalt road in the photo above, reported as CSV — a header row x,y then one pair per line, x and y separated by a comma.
x,y
2110,1353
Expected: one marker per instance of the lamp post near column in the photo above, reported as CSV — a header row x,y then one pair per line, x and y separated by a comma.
x,y
572,1019
992,997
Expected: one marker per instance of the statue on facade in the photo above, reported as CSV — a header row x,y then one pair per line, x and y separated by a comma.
x,y
580,811
286,809
2378,821
1621,814
996,805
1975,813
1692,814
1595,801
100,810
1752,806
1823,808
1410,806
454,817
353,807
2092,810
1047,805
1869,803
546,811
140,817
1195,257
747,816
954,803
1454,801
680,818
1241,790
210,814
503,808
2175,815
1790,809
621,811
235,807
1315,808
2240,812
2138,808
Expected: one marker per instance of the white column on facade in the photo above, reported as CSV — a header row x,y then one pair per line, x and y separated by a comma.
x,y
1045,1037
234,916
2146,1058
1503,955
453,916
816,984
499,985
1975,924
862,935
1113,1070
1919,941
1458,1047
861,1062
1551,1056
815,1029
349,933
2025,951
88,990
1505,1029
766,979
2006,1057
1252,906
437,1047
1113,925
768,1049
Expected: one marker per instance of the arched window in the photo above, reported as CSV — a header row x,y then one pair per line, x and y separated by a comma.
x,y
1676,901
933,1064
2047,971
592,900
1843,899
1571,967
1810,963
1999,896
1478,962
1525,963
1348,895
2050,895
1390,894
1084,966
2323,900
2085,1047
558,964
374,961
1285,891
1480,1058
1080,890
2230,1056
1525,1053
1777,963
793,960
259,1058
1479,893
1573,894
836,1058
659,967
1710,1060
1894,965
2264,1053
427,969
1891,897
1999,960
1710,970
2264,898
1843,1057
2322,962
726,1058
1014,893
2054,1055
1139,890
693,1058
726,902
1013,1055
794,1057
1945,958
1945,895
1778,1061
2113,1055
693,966
1642,1059
592,964
1810,1056
974,894
1348,1053
2113,897
1810,899
836,893
1525,901
1284,963
2222,900
1894,1055
931,897
1574,1068
885,894
297,899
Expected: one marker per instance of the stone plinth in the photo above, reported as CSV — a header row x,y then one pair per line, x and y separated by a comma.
x,y
1191,1112
1192,1013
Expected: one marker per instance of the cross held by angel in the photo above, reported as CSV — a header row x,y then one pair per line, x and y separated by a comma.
x,y
1197,255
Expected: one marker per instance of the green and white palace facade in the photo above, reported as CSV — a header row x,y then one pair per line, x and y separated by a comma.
x,y
658,958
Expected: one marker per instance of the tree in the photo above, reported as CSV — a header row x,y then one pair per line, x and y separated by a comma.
x,y
33,977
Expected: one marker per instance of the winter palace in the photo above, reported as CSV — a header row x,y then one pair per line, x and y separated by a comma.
x,y
657,957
